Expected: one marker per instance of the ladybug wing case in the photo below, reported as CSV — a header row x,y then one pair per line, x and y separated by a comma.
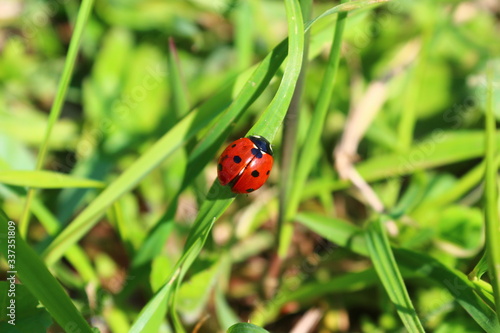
x,y
254,175
234,159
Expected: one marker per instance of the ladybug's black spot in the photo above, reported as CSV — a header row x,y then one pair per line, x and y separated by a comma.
x,y
219,166
250,190
237,159
234,145
255,173
268,172
256,152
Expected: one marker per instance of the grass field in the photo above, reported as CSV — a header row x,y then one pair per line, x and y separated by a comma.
x,y
381,210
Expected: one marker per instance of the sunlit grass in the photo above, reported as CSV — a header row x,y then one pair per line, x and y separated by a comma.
x,y
114,114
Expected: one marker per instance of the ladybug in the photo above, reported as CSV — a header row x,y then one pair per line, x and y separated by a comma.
x,y
245,164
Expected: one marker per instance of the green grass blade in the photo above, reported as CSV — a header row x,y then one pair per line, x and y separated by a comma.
x,y
36,277
408,115
345,7
388,272
313,136
225,314
176,321
152,314
270,121
491,192
351,237
45,179
243,35
180,102
69,64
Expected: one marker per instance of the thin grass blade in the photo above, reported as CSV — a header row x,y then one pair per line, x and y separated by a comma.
x,y
491,192
46,179
55,111
388,272
307,160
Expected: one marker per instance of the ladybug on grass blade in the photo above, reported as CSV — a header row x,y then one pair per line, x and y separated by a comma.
x,y
245,164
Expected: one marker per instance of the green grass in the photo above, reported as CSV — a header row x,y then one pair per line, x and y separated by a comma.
x,y
114,113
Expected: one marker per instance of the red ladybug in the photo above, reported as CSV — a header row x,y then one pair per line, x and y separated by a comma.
x,y
245,164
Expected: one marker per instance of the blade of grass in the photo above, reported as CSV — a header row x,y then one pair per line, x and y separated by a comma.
x,y
387,269
289,147
69,64
148,319
307,160
491,192
225,314
180,102
345,7
408,118
220,197
45,179
177,324
36,277
351,237
463,185
243,35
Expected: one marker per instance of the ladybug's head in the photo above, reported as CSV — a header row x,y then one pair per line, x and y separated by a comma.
x,y
262,144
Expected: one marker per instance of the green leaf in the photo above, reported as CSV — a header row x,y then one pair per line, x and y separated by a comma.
x,y
388,272
45,179
246,328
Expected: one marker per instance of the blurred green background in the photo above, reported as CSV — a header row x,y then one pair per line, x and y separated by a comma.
x,y
421,152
